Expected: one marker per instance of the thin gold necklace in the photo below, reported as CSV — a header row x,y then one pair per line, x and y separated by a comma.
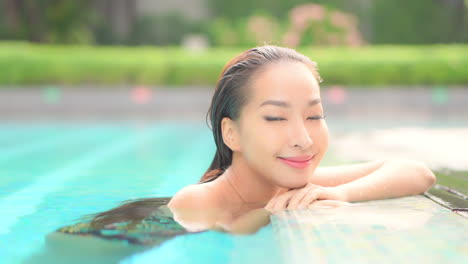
x,y
240,196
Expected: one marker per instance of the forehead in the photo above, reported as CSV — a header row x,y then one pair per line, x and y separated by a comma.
x,y
290,81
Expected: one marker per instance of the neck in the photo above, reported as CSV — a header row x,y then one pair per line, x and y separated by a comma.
x,y
249,187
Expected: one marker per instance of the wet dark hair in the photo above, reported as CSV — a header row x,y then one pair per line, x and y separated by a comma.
x,y
231,94
146,221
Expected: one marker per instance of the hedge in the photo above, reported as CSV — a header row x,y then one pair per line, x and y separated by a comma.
x,y
26,64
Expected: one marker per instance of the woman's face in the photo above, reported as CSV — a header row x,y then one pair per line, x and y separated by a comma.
x,y
281,131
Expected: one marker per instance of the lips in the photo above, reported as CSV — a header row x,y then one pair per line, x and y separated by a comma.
x,y
299,162
298,158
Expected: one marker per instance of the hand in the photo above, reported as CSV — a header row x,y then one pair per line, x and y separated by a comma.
x,y
309,196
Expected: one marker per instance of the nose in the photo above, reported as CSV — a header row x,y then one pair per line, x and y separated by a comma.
x,y
300,136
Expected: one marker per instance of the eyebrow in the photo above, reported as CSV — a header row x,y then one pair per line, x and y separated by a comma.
x,y
287,105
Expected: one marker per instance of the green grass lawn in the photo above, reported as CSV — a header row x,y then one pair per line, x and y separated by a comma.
x,y
457,180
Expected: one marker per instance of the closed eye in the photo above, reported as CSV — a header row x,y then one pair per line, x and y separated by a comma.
x,y
316,117
273,118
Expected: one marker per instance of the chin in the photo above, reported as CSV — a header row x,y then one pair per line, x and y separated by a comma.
x,y
293,184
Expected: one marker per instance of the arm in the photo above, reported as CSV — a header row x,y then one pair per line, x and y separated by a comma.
x,y
361,182
393,178
337,175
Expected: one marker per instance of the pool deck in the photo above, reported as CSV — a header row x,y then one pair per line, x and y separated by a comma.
x,y
403,230
87,103
408,117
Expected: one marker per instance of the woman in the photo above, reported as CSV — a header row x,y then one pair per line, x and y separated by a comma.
x,y
270,133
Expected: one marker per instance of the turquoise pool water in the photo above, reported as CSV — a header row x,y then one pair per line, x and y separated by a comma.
x,y
51,174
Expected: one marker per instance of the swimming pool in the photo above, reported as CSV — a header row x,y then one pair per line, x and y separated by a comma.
x,y
53,173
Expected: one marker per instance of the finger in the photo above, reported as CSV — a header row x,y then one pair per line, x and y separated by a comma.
x,y
302,192
281,201
269,205
328,204
315,206
297,198
309,198
335,203
321,204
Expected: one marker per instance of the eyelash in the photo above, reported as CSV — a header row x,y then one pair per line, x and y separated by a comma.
x,y
270,118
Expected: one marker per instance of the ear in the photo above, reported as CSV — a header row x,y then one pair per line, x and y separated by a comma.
x,y
230,133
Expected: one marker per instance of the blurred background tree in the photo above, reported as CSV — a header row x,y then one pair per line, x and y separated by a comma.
x,y
233,23
51,21
418,22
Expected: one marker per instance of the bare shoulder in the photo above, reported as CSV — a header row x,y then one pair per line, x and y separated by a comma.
x,y
196,208
195,196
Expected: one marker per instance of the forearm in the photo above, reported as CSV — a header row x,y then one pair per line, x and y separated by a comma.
x,y
395,178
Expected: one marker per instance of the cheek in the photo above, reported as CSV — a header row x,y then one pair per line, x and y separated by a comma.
x,y
260,145
320,137
323,135
258,140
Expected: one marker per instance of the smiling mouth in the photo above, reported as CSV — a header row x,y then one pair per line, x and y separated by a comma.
x,y
300,162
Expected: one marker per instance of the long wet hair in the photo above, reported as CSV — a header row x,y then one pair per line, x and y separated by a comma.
x,y
231,94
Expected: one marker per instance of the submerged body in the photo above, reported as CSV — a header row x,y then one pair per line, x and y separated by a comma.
x,y
140,222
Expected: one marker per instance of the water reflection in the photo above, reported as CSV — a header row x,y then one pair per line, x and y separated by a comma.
x,y
140,225
145,221
132,227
